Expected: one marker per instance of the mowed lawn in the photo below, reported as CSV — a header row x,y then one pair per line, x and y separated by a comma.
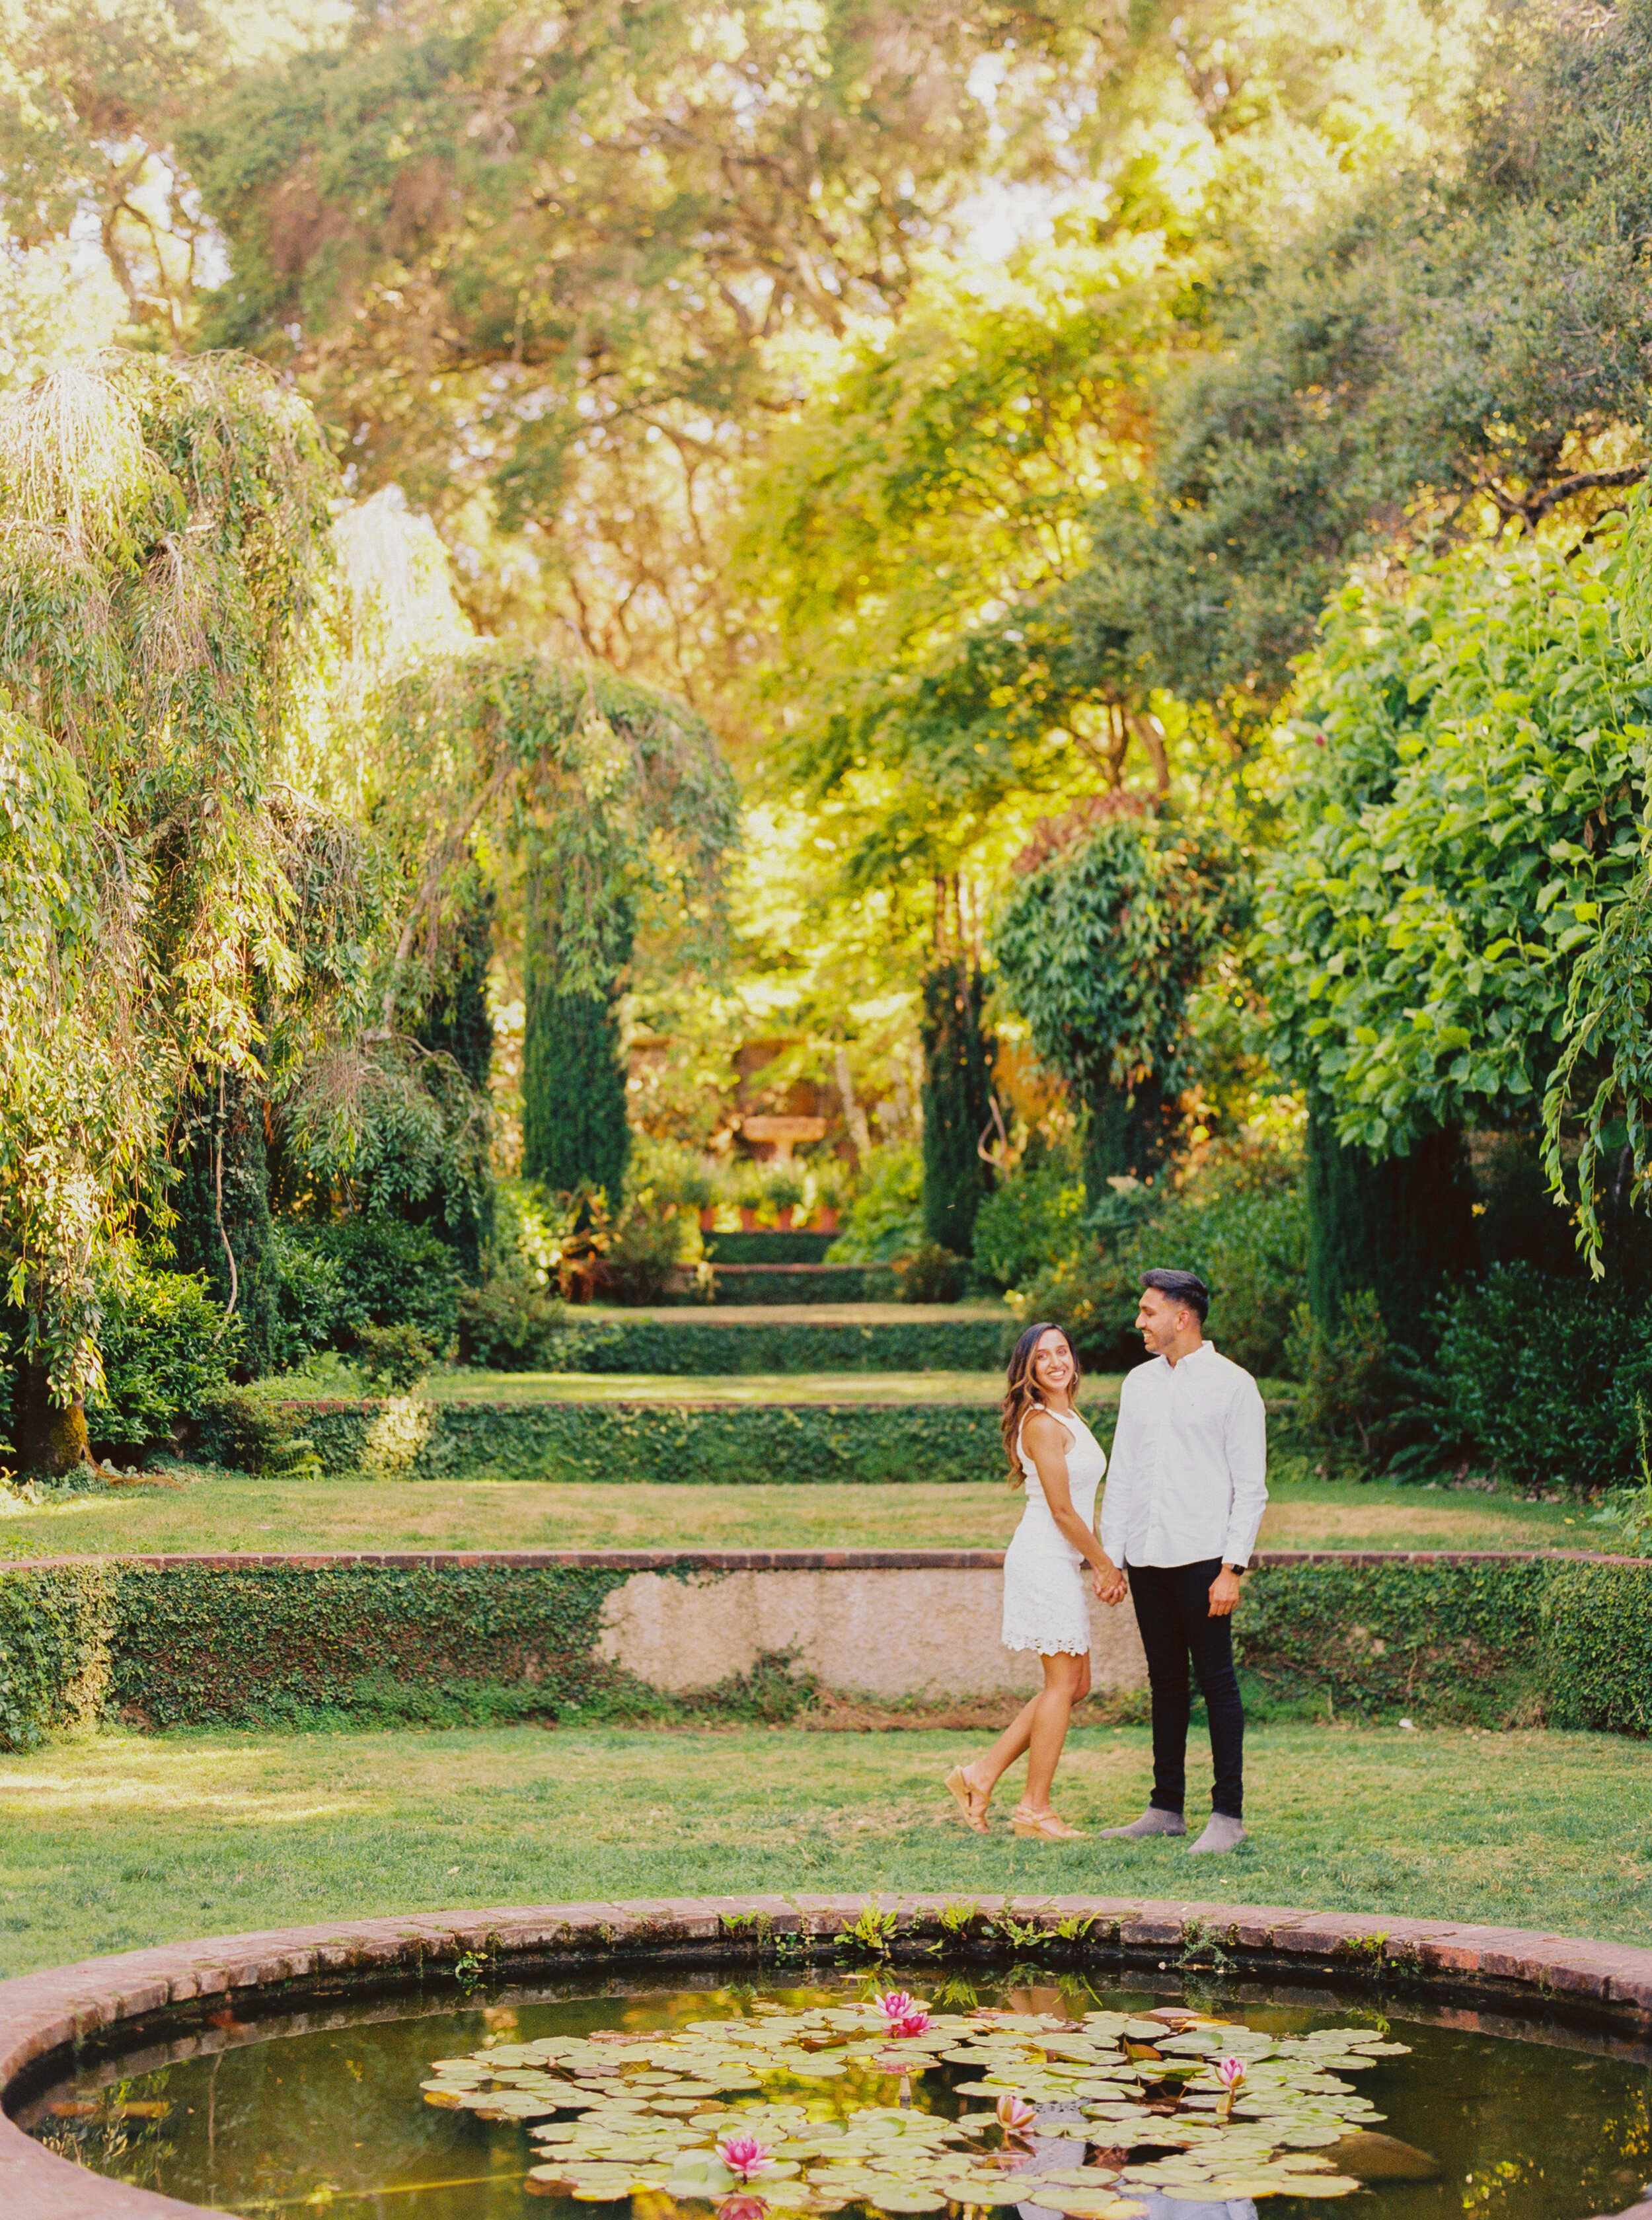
x,y
112,1841
203,1509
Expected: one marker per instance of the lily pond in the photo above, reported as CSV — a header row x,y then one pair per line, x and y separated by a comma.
x,y
868,2095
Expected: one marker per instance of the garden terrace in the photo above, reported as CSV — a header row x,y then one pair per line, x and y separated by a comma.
x,y
834,1336
197,1508
255,1640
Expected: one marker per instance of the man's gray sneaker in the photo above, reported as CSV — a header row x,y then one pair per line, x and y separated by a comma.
x,y
1152,1822
1223,1833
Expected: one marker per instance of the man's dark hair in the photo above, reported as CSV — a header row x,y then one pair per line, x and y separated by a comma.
x,y
1181,1287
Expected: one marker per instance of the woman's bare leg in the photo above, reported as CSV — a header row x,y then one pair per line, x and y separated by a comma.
x,y
985,1773
1065,1680
1019,1736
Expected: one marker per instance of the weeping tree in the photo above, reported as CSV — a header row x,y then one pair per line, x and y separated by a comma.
x,y
163,525
1113,923
615,804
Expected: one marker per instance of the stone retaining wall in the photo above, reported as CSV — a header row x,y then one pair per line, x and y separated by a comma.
x,y
176,1640
179,1991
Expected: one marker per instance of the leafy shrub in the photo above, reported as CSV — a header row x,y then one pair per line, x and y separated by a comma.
x,y
510,1324
309,1293
392,1274
643,1249
1348,1384
237,1428
1240,1222
677,1176
1032,1221
1544,1377
885,1216
394,1356
933,1274
165,1343
1626,1513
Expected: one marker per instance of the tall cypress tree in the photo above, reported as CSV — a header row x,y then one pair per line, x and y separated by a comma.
x,y
1398,1225
457,1024
574,1126
958,1056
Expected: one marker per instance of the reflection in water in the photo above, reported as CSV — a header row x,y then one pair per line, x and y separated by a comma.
x,y
324,2109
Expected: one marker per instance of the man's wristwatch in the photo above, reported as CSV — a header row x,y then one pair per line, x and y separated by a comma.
x,y
1237,1571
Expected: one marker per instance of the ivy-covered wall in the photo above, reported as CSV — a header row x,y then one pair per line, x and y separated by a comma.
x,y
804,1283
197,1643
1509,1640
667,1349
733,1444
1499,1640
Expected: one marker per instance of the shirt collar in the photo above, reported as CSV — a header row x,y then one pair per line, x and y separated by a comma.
x,y
1192,1357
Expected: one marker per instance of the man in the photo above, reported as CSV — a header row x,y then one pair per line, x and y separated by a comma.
x,y
1185,1495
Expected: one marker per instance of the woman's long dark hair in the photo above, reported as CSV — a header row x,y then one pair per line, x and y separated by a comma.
x,y
1021,1394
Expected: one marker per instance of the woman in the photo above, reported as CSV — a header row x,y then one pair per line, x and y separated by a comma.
x,y
1058,1463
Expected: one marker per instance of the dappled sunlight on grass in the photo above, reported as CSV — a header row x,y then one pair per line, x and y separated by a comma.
x,y
230,1510
108,1842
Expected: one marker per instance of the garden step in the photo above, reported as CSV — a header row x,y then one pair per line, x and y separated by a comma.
x,y
809,1338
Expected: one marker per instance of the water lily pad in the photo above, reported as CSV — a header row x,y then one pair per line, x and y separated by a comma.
x,y
1100,2204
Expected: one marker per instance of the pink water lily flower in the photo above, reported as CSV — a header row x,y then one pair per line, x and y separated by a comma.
x,y
744,2156
1016,2115
902,2015
741,2208
1229,2072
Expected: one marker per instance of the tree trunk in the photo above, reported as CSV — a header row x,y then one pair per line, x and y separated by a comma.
x,y
854,1116
50,1438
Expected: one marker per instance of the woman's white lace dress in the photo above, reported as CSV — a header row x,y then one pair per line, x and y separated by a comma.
x,y
1046,1594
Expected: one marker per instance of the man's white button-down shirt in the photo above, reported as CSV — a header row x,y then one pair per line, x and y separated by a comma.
x,y
1187,1478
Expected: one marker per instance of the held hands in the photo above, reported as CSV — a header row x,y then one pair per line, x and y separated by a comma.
x,y
1111,1586
1223,1593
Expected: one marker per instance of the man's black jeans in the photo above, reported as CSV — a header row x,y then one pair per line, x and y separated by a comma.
x,y
1173,1611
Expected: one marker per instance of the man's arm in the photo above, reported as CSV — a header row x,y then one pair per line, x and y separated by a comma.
x,y
1115,1495
1246,1443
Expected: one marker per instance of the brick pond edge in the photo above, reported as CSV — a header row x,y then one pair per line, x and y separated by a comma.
x,y
192,1995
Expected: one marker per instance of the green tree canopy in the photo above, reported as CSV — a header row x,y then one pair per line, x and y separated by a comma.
x,y
1461,347
1467,783
1105,936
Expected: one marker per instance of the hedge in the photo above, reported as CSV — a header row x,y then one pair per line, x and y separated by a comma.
x,y
706,1347
766,1247
733,1445
804,1283
1504,1641
1510,1640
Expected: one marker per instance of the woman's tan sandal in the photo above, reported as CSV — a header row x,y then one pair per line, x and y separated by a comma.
x,y
972,1801
1044,1826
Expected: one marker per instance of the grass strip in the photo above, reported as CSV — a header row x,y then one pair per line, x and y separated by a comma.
x,y
112,1841
203,1509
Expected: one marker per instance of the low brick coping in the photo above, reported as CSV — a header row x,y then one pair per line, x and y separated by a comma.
x,y
756,1561
199,1991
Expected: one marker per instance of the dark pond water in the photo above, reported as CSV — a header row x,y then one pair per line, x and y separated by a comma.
x,y
323,2111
